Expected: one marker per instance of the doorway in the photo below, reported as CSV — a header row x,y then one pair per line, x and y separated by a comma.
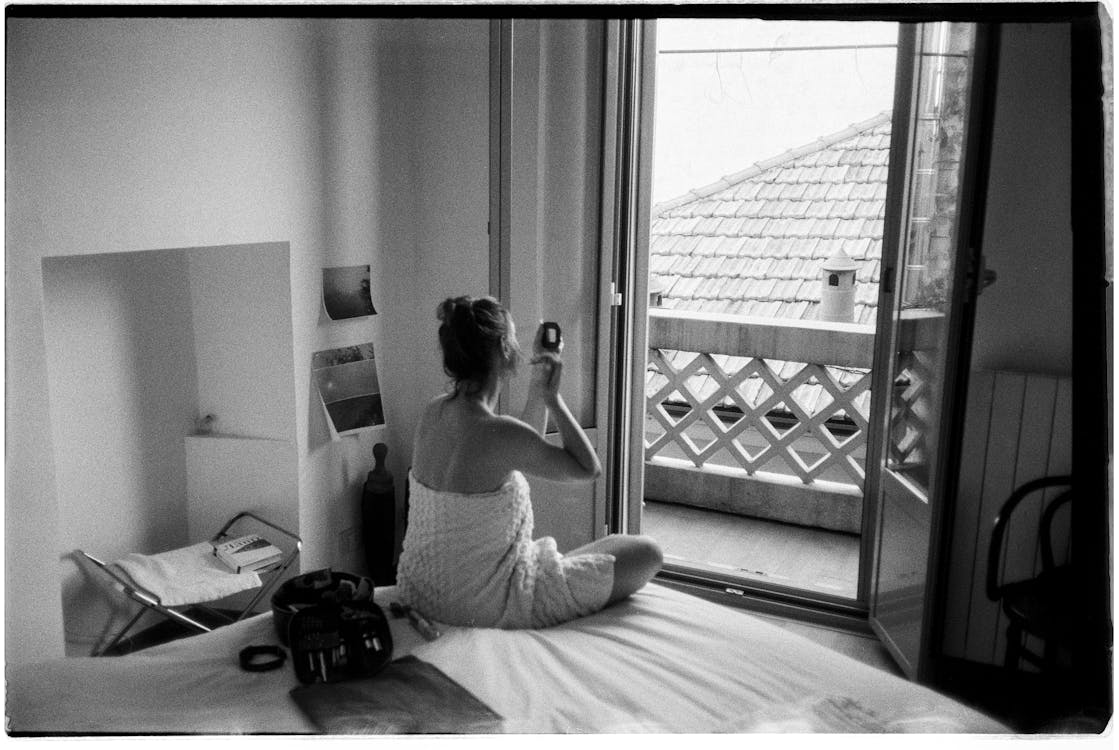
x,y
770,166
769,401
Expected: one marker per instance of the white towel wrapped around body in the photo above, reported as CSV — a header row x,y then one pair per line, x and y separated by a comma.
x,y
469,559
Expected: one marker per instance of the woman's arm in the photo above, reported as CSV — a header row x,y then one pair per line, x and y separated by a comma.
x,y
527,449
575,441
535,413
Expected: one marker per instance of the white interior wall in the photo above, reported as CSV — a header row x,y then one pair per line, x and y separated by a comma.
x,y
1024,321
405,123
241,323
556,182
139,134
127,135
120,366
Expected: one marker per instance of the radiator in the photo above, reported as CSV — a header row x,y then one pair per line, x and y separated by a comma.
x,y
1018,427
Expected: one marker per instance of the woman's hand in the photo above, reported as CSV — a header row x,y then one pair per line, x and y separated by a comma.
x,y
547,372
547,367
538,343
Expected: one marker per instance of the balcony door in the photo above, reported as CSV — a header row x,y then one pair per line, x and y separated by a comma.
x,y
884,421
926,302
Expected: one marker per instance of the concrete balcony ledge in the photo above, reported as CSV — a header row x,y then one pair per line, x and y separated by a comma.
x,y
779,497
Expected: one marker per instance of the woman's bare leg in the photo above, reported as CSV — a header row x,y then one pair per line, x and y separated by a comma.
x,y
636,560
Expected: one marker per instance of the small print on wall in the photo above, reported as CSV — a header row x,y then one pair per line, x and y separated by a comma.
x,y
348,387
345,292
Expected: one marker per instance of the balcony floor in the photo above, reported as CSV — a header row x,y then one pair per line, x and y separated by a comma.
x,y
814,559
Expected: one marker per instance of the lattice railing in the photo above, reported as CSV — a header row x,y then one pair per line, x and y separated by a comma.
x,y
766,393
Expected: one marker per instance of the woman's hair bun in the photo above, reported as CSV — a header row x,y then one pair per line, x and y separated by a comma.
x,y
475,335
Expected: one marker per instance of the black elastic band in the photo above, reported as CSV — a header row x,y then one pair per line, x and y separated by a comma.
x,y
249,653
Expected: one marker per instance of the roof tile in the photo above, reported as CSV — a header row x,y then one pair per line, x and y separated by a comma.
x,y
868,272
733,265
870,209
733,289
863,191
731,227
825,227
660,263
753,247
860,174
725,208
857,248
820,209
769,191
709,288
746,191
800,310
757,228
685,288
839,191
708,266
850,228
816,191
794,191
827,158
686,265
866,294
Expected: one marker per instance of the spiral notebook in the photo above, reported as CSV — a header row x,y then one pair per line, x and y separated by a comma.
x,y
408,696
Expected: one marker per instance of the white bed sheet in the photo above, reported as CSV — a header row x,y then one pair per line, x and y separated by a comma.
x,y
662,661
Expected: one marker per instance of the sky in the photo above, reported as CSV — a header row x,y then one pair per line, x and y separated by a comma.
x,y
717,114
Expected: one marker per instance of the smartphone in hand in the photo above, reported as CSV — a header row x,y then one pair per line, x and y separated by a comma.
x,y
550,336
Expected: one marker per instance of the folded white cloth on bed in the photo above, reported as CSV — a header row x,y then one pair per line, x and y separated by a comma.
x,y
189,575
470,559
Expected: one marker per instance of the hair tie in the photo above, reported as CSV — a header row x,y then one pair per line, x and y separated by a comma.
x,y
250,661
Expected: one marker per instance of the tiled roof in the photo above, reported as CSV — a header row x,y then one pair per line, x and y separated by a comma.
x,y
753,243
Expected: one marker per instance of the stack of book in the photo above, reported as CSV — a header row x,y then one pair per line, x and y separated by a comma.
x,y
247,554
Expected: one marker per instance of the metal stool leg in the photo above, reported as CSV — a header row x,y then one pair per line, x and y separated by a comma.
x,y
119,636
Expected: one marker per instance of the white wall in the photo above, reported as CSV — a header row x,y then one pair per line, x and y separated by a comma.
x,y
406,149
120,366
353,141
126,135
1024,321
241,321
556,184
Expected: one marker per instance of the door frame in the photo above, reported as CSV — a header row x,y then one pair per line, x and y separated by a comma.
x,y
626,465
958,343
629,92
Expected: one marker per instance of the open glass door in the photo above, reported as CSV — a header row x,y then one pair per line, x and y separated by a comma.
x,y
924,314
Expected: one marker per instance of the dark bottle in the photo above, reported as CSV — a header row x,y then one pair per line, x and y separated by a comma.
x,y
378,510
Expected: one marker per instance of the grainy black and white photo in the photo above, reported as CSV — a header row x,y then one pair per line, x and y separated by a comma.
x,y
347,383
823,448
345,292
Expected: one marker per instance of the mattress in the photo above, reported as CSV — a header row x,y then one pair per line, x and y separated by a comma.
x,y
660,661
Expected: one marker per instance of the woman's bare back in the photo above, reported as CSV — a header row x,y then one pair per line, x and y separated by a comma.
x,y
453,449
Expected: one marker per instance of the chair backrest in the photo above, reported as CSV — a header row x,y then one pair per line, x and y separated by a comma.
x,y
1044,531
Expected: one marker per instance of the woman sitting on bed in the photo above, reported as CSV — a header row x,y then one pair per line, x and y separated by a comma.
x,y
469,557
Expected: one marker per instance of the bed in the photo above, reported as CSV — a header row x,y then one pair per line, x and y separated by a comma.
x,y
661,661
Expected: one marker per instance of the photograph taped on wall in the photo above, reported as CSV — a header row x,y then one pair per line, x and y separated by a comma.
x,y
345,292
348,388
